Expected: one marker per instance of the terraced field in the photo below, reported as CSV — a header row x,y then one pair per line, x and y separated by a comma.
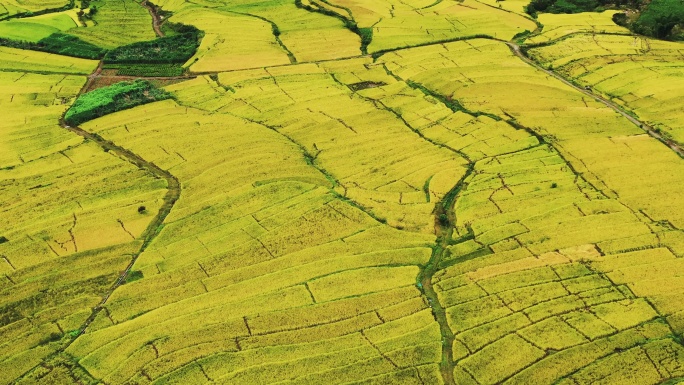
x,y
341,192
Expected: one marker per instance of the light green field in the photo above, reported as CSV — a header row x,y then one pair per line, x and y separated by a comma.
x,y
35,28
441,212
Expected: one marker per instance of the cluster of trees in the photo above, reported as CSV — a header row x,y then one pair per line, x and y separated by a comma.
x,y
59,43
178,46
663,19
576,6
117,97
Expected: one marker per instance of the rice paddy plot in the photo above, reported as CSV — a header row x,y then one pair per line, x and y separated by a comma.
x,y
12,59
70,220
340,130
308,35
557,26
13,7
397,24
515,6
224,47
252,34
255,264
643,75
606,149
116,23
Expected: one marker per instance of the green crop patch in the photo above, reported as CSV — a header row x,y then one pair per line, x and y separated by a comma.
x,y
117,97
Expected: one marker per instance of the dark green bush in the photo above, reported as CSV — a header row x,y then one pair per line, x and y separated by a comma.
x,y
59,43
134,275
117,97
175,48
69,45
147,70
576,6
660,18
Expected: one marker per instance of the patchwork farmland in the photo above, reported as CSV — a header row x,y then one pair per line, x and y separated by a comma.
x,y
338,192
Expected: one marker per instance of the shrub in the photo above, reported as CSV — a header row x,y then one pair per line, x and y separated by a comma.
x,y
59,43
134,275
177,47
443,220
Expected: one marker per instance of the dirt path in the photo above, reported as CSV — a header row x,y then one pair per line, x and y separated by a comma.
x,y
649,130
156,20
91,78
172,194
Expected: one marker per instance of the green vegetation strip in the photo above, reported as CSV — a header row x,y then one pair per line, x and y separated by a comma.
x,y
117,97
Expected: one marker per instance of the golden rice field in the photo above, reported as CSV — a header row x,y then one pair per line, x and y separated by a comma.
x,y
441,211
557,26
398,24
116,23
644,76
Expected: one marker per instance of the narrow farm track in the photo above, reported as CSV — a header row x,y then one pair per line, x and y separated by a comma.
x,y
92,77
648,129
156,20
172,194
